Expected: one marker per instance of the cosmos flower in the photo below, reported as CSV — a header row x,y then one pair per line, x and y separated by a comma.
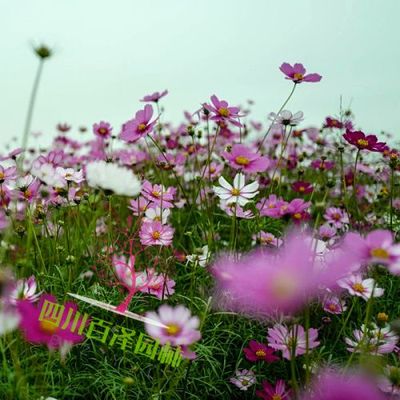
x,y
259,352
339,385
156,234
8,174
336,216
243,379
364,142
331,122
297,73
291,340
357,286
267,239
239,193
333,305
322,165
112,177
156,214
277,392
154,97
243,158
139,126
151,282
286,118
102,129
158,194
302,187
201,257
24,289
221,111
273,207
180,327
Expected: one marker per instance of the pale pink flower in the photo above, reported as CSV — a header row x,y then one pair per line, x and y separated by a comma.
x,y
337,217
156,234
357,286
158,194
243,379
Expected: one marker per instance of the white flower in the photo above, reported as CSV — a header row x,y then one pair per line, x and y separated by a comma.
x,y
69,174
8,321
238,193
285,117
157,214
201,257
109,176
49,175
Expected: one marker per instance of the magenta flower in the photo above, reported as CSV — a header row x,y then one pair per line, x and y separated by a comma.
x,y
221,112
332,385
156,234
322,165
180,327
158,195
243,158
364,142
302,187
297,209
102,129
327,232
291,341
331,122
277,392
155,97
139,126
259,352
297,73
45,332
273,207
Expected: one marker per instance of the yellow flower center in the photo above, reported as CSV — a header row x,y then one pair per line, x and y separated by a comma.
x,y
155,193
27,194
276,397
224,112
48,327
102,131
380,253
173,329
298,76
2,175
358,287
302,189
297,216
332,307
336,217
245,382
362,142
242,160
141,127
260,353
156,235
212,170
283,286
235,192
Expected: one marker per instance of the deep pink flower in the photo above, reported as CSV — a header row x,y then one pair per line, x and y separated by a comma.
x,y
156,234
139,126
322,165
221,112
155,97
291,341
277,392
243,158
302,187
44,332
259,352
364,142
297,73
102,129
273,207
297,209
332,123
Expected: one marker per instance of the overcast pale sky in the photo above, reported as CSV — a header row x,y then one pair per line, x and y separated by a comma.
x,y
108,54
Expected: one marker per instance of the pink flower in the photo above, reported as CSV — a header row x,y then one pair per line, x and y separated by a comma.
x,y
8,174
259,352
221,112
297,73
277,392
212,171
151,282
333,305
267,239
44,332
243,158
337,217
272,207
291,341
139,126
102,129
180,328
332,385
364,142
297,209
29,189
155,97
243,379
333,123
322,165
158,194
140,205
156,234
327,232
357,286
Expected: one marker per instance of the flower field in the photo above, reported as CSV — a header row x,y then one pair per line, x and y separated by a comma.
x,y
216,257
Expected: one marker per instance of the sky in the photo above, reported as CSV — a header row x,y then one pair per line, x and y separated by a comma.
x,y
109,54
